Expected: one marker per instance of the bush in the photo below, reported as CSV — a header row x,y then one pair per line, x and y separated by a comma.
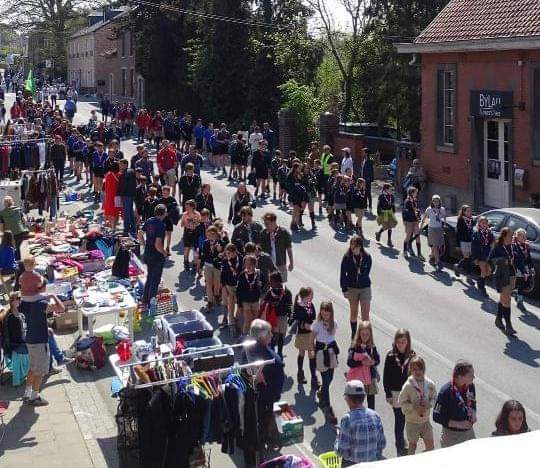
x,y
301,101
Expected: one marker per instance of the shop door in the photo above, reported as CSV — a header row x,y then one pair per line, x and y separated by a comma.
x,y
496,163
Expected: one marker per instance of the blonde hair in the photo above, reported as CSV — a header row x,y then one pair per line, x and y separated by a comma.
x,y
364,325
29,262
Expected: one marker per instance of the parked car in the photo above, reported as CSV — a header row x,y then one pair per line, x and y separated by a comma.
x,y
384,139
514,218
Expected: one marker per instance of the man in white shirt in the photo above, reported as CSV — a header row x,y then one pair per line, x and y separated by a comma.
x,y
255,138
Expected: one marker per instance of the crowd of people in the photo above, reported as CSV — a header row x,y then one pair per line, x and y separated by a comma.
x,y
246,270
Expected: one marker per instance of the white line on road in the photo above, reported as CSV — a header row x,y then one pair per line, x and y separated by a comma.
x,y
389,329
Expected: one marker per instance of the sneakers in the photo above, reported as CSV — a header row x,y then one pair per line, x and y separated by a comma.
x,y
301,378
39,401
54,371
315,382
329,416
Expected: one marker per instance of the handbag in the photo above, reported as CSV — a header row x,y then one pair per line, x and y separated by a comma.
x,y
118,201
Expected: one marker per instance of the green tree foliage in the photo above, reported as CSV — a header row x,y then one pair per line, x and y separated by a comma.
x,y
301,101
55,19
401,21
163,59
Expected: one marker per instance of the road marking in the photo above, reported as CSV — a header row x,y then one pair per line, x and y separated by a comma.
x,y
389,329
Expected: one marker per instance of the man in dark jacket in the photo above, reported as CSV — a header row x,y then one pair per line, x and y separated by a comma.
x,y
127,188
246,231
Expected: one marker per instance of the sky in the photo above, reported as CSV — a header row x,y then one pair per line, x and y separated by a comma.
x,y
338,12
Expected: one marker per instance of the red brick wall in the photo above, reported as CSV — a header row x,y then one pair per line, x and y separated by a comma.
x,y
497,71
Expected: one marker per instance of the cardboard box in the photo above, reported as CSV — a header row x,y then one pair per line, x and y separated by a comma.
x,y
67,321
291,430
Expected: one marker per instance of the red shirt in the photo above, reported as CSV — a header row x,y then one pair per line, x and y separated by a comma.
x,y
166,159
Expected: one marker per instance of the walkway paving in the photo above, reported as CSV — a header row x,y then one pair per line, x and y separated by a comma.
x,y
75,429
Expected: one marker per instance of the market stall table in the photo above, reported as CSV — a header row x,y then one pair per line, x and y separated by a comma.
x,y
96,301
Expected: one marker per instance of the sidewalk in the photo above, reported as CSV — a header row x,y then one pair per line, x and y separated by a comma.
x,y
73,430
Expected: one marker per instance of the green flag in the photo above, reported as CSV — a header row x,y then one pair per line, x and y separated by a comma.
x,y
30,84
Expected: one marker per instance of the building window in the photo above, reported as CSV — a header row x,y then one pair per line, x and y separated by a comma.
x,y
446,106
124,82
131,44
131,82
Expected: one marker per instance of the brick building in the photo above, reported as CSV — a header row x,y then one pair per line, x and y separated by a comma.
x,y
480,65
101,59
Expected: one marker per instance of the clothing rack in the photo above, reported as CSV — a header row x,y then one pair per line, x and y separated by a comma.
x,y
202,374
36,171
31,140
182,357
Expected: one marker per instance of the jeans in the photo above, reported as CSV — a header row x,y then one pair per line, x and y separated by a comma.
x,y
59,169
154,266
399,426
129,216
368,193
56,352
140,137
326,378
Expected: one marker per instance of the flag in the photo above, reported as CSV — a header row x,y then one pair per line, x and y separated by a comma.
x,y
30,84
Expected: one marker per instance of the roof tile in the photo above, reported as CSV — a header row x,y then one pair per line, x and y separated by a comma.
x,y
463,20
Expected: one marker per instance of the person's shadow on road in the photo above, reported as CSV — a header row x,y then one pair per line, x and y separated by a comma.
x,y
522,352
17,428
529,318
324,439
305,405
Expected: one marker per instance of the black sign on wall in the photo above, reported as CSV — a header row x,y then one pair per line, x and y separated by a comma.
x,y
492,104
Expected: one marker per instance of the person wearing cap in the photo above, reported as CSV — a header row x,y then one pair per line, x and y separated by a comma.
x,y
361,434
346,161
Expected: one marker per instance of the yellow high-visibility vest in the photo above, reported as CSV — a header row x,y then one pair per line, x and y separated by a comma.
x,y
325,163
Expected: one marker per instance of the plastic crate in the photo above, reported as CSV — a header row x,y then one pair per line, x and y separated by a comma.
x,y
216,358
330,460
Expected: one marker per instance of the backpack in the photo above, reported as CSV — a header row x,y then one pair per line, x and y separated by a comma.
x,y
90,353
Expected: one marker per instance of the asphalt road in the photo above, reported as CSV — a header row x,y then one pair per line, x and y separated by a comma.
x,y
447,319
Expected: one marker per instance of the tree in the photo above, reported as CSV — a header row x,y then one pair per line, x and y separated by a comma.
x,y
345,46
302,102
401,21
163,56
55,18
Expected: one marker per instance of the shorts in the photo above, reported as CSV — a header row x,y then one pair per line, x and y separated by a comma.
x,y
252,307
170,177
510,286
190,238
465,247
411,226
39,356
416,431
282,325
211,273
283,270
98,171
358,294
168,224
359,212
230,289
435,236
304,342
450,437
